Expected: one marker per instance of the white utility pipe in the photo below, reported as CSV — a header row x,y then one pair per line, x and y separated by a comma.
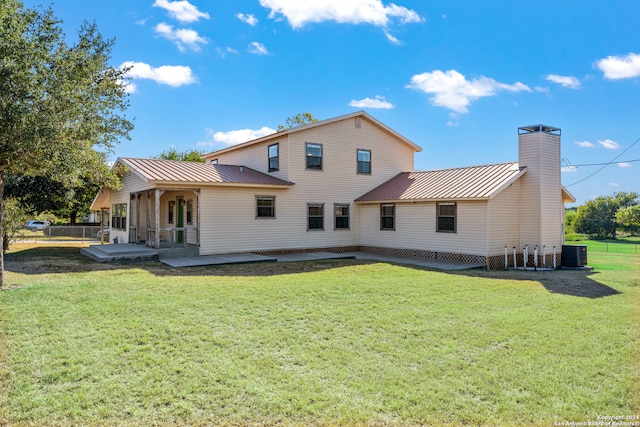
x,y
526,256
554,257
515,261
544,256
535,257
506,259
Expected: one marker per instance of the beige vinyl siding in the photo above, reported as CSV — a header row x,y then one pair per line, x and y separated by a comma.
x,y
257,157
229,223
504,221
415,228
228,215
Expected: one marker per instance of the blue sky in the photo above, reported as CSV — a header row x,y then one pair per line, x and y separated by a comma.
x,y
455,77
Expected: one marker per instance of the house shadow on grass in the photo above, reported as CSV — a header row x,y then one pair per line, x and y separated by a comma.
x,y
53,260
575,283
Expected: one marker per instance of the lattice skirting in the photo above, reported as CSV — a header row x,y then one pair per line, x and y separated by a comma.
x,y
335,249
495,262
419,253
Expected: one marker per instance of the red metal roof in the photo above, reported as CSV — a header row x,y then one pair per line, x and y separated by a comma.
x,y
469,183
172,171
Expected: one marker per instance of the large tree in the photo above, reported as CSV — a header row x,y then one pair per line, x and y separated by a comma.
x,y
38,194
629,216
61,105
598,216
298,120
184,156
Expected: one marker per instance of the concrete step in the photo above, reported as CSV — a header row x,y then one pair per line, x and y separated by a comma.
x,y
124,253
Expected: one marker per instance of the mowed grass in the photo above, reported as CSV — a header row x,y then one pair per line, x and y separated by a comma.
x,y
318,343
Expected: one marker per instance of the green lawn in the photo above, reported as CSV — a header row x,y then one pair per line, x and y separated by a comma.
x,y
317,343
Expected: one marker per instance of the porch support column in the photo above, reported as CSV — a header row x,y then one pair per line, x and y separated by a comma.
x,y
197,193
138,217
148,195
157,220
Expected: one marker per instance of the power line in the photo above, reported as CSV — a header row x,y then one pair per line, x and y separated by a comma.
x,y
606,164
568,163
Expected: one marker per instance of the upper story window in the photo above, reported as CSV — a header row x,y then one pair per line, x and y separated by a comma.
x,y
446,214
364,161
265,206
274,157
314,156
214,161
387,216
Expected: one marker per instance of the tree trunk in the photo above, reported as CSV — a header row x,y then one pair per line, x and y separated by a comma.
x,y
73,217
1,230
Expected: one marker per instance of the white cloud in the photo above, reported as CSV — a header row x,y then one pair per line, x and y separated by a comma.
x,y
609,144
568,169
453,91
181,10
391,38
624,165
258,48
183,38
171,75
620,67
248,19
584,144
374,12
377,102
566,81
614,184
234,137
223,51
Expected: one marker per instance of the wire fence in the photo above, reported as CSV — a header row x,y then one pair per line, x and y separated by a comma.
x,y
618,247
77,233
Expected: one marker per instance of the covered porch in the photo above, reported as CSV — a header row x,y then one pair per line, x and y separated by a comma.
x,y
163,218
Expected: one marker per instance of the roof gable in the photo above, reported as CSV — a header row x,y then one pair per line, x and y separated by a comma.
x,y
286,132
177,172
469,183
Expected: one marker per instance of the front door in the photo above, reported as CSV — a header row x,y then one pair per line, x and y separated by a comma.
x,y
180,219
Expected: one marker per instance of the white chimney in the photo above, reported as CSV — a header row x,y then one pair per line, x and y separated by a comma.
x,y
541,205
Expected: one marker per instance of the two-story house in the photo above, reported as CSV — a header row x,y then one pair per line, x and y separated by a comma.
x,y
342,184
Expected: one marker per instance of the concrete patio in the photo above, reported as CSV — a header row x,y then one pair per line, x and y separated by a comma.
x,y
188,257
